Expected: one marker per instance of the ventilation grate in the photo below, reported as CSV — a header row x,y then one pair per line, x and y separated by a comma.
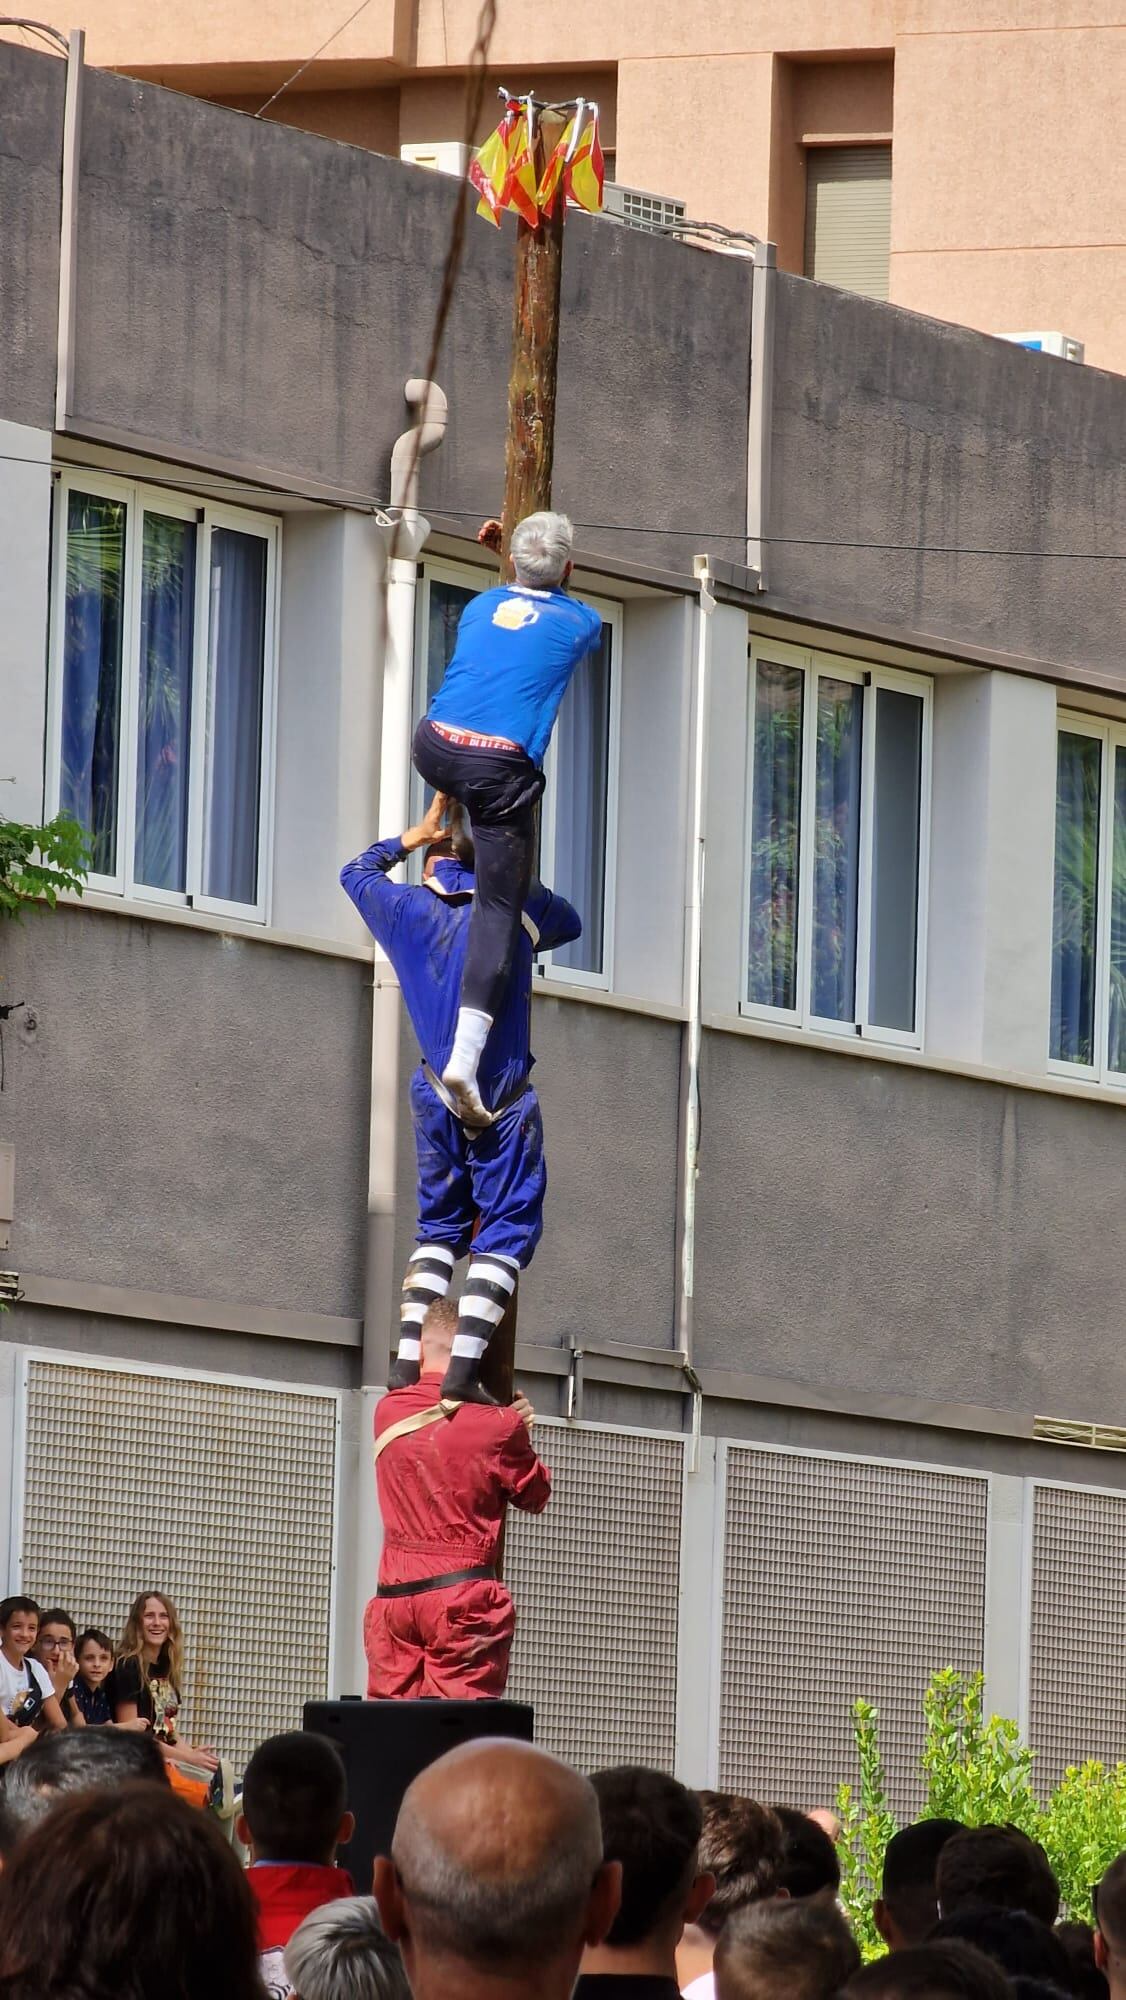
x,y
842,1579
596,1581
1076,1692
221,1495
1067,1430
639,210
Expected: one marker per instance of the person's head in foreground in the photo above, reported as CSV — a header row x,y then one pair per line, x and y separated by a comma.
x,y
341,1952
1022,1945
809,1864
437,1336
496,1876
741,1845
1088,1981
1000,1866
784,1950
948,1971
73,1760
651,1825
906,1909
126,1895
295,1800
541,551
1110,1927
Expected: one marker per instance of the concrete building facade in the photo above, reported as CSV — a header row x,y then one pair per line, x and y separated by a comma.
x,y
963,158
824,1327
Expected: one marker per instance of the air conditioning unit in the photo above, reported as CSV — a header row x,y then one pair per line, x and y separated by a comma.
x,y
1049,343
639,210
442,156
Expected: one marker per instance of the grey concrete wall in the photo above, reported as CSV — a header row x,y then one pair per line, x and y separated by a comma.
x,y
189,1112
608,1087
891,428
866,1224
95,1337
31,93
264,294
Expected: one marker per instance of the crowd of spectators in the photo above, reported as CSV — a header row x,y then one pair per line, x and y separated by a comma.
x,y
510,1877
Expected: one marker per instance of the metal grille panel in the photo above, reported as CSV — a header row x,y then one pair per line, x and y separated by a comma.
x,y
1077,1696
220,1495
841,1579
596,1581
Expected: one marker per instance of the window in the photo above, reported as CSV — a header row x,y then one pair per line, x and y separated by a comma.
x,y
1088,1017
848,217
162,691
579,816
836,843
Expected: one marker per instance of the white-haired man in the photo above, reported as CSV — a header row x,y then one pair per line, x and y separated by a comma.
x,y
483,743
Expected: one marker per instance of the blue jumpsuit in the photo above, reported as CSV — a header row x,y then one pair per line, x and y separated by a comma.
x,y
498,1173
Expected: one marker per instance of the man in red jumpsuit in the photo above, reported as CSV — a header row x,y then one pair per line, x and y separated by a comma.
x,y
440,1622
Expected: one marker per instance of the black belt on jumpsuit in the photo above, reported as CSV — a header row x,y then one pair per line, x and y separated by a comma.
x,y
436,1582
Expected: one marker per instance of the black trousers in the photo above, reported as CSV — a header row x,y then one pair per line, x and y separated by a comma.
x,y
499,790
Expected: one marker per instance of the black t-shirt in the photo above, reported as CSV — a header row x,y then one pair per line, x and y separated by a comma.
x,y
151,1690
625,1986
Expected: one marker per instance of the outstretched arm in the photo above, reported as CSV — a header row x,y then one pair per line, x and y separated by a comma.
x,y
379,900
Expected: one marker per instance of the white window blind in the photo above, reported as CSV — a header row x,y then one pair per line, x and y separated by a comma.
x,y
848,217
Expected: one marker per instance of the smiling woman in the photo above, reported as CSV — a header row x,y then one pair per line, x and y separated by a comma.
x,y
147,1680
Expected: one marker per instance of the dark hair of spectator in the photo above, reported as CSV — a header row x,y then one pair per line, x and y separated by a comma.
x,y
1023,1946
58,1617
809,1858
294,1795
92,1636
908,1887
652,1825
73,1760
998,1865
10,1605
1078,1940
949,1971
126,1895
1040,1989
1110,1905
741,1845
785,1950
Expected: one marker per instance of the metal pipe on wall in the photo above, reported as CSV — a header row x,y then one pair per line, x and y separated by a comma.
x,y
406,537
689,1119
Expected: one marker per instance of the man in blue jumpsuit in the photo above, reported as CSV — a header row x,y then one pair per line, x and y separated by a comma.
x,y
483,743
495,1171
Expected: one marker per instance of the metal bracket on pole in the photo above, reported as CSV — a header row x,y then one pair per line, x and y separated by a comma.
x,y
575,1384
68,228
764,287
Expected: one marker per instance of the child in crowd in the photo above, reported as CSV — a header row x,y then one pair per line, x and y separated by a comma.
x,y
294,1816
27,1698
94,1654
54,1650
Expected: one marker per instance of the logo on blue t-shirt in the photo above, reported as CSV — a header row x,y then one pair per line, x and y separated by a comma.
x,y
513,613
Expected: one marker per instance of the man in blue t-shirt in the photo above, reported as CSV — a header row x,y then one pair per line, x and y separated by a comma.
x,y
483,743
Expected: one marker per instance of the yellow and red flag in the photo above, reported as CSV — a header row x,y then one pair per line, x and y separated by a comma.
x,y
489,168
520,189
554,170
584,176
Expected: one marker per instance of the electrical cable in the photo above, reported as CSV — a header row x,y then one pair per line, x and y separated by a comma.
x,y
302,67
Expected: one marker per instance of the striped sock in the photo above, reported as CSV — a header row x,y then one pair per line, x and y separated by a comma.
x,y
489,1285
428,1277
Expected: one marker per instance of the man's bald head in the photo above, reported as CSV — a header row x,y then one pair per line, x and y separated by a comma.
x,y
497,1853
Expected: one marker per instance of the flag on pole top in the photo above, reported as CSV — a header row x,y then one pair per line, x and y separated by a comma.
x,y
504,174
585,175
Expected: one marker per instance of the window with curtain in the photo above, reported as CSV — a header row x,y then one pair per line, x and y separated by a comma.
x,y
163,684
1088,1001
835,841
577,816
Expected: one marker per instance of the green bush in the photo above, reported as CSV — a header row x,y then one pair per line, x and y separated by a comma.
x,y
36,862
977,1771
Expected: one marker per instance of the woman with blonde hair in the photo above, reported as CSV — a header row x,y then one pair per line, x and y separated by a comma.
x,y
145,1686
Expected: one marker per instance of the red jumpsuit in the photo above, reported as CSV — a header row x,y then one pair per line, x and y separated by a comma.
x,y
443,1492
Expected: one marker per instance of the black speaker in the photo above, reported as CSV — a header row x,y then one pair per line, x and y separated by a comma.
x,y
385,1744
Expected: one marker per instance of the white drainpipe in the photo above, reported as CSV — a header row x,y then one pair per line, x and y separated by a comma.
x,y
690,1056
406,537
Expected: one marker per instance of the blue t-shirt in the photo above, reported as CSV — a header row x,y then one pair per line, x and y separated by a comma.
x,y
516,651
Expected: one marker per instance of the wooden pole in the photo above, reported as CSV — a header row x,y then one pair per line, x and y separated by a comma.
x,y
529,453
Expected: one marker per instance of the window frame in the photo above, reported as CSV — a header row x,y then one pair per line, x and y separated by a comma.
x,y
468,576
815,665
1111,736
139,499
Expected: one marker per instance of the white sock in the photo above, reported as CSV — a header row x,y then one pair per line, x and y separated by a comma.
x,y
410,1347
467,1347
469,1042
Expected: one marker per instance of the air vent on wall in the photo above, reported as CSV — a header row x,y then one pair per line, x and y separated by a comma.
x,y
1065,1430
639,210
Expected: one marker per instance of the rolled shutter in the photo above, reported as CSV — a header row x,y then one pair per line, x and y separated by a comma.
x,y
848,217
